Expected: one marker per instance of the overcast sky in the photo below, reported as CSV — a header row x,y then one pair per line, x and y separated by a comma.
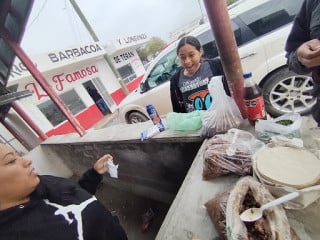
x,y
53,24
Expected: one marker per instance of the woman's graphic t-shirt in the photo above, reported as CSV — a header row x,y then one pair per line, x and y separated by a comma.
x,y
194,89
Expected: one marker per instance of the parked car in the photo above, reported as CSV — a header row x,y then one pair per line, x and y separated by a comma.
x,y
260,29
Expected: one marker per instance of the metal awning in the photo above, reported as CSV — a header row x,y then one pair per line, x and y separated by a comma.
x,y
13,19
14,15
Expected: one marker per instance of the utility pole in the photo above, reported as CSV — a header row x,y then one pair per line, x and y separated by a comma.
x,y
202,15
95,38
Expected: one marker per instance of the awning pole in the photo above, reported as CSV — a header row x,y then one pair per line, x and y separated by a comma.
x,y
221,26
13,131
15,105
42,81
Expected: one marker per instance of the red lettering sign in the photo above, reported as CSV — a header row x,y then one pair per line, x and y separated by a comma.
x,y
59,80
36,89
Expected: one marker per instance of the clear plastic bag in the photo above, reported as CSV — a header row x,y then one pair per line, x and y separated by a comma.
x,y
216,208
287,125
230,153
223,113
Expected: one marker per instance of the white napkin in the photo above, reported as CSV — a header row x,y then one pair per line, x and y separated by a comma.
x,y
112,168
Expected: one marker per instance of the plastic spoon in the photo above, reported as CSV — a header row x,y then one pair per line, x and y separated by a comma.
x,y
253,214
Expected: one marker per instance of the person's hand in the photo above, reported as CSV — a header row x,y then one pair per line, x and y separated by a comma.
x,y
99,166
309,53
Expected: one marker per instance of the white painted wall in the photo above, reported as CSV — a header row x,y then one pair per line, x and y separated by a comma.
x,y
48,162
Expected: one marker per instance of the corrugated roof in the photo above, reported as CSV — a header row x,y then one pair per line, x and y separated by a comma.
x,y
13,19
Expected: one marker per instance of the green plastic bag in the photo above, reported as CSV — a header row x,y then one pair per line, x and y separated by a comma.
x,y
184,121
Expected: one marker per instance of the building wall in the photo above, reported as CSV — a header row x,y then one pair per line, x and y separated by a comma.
x,y
72,70
7,138
62,80
125,57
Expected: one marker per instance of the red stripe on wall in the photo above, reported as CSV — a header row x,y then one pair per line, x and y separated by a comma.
x,y
87,119
119,94
134,83
92,114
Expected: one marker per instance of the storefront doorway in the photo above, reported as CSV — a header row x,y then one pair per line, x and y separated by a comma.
x,y
101,98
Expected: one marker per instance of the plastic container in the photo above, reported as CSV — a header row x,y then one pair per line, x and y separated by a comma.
x,y
154,116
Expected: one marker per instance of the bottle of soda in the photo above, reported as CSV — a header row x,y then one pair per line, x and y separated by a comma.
x,y
254,103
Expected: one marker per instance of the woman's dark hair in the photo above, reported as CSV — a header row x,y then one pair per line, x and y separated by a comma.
x,y
193,41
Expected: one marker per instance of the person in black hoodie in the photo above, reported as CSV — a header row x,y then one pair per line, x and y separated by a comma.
x,y
38,207
189,85
303,47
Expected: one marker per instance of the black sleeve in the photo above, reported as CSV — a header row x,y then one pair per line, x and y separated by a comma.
x,y
90,180
216,66
299,34
217,70
300,29
176,95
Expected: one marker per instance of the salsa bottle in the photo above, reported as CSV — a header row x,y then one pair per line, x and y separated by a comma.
x,y
253,99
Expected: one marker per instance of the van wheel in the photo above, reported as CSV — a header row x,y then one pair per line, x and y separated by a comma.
x,y
136,117
285,91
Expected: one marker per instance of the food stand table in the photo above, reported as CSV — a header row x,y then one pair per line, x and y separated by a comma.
x,y
187,217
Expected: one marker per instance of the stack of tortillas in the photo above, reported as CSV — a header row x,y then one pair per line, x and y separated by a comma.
x,y
287,166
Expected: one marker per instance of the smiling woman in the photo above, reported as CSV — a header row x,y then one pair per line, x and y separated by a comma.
x,y
191,83
69,208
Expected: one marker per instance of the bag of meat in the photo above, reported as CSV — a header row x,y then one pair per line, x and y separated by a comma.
x,y
216,208
274,224
225,209
230,153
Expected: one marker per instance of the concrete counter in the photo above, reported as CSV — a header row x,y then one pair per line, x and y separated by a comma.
x,y
154,168
187,218
125,132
